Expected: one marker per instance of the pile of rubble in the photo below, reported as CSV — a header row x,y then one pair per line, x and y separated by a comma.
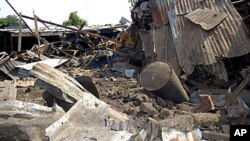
x,y
180,71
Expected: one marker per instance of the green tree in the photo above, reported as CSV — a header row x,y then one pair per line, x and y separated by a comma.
x,y
75,20
132,2
9,20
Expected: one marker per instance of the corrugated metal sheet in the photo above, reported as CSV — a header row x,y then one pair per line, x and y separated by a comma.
x,y
147,43
165,48
9,66
196,46
159,11
206,18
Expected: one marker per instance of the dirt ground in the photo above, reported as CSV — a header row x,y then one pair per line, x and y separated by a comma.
x,y
121,93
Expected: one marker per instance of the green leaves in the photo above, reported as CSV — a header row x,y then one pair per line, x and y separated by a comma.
x,y
75,20
9,20
132,2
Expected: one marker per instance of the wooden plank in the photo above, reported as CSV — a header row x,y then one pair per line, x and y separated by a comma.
x,y
19,48
36,29
7,90
71,28
237,91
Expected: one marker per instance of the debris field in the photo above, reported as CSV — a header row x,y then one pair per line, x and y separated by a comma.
x,y
179,71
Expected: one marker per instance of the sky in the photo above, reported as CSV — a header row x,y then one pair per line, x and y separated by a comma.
x,y
96,12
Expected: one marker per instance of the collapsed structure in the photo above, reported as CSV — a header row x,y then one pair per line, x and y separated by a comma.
x,y
180,71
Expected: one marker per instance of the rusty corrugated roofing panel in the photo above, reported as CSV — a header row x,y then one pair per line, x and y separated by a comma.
x,y
159,11
195,45
206,18
9,66
165,48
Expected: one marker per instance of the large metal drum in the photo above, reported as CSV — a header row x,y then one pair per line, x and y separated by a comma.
x,y
160,79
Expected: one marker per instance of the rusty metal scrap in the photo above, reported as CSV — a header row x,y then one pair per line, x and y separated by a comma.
x,y
90,118
159,12
19,109
73,90
194,45
207,18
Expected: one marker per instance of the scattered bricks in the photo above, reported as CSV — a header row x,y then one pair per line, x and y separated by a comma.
x,y
205,105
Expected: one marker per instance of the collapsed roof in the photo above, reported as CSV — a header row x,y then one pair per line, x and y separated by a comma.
x,y
174,30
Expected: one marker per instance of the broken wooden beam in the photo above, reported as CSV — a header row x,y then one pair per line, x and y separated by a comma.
x,y
36,28
66,27
22,18
237,91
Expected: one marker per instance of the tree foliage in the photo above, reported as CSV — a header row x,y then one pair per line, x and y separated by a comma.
x,y
9,20
75,20
132,2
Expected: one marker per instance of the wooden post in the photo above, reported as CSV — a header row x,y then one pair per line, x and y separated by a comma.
x,y
36,29
20,33
11,43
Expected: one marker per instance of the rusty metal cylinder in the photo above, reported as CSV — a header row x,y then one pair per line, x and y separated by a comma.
x,y
160,79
